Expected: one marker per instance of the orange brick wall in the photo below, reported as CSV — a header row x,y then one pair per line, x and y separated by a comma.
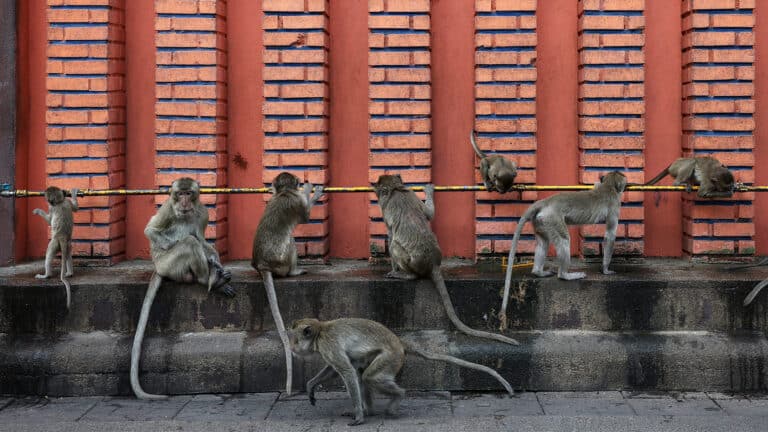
x,y
197,133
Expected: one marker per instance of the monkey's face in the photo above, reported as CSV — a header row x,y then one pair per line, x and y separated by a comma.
x,y
386,184
504,182
285,181
616,179
54,195
185,193
723,180
302,335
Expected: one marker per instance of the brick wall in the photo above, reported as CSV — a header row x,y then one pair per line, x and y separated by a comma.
x,y
505,115
611,110
190,106
718,108
86,117
296,104
400,95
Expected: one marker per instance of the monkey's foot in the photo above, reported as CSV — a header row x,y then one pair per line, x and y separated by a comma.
x,y
296,272
223,274
608,272
68,274
358,419
572,275
542,273
42,276
400,275
227,290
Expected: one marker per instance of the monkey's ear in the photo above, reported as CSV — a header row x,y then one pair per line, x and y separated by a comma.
x,y
398,176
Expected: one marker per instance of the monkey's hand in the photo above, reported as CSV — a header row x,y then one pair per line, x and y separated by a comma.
x,y
307,188
227,290
429,189
73,192
38,212
318,192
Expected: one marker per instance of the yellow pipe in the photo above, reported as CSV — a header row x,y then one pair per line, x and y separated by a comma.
x,y
23,193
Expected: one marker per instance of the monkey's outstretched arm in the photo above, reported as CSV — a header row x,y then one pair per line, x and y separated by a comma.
x,y
73,199
43,215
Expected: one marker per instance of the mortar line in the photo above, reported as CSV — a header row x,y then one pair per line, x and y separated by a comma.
x,y
182,407
89,409
718,405
538,401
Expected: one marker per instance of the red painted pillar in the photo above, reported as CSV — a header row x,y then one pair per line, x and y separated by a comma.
x,y
718,107
761,126
86,118
612,109
399,77
505,114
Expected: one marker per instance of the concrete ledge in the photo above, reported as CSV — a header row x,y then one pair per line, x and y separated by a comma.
x,y
658,295
97,363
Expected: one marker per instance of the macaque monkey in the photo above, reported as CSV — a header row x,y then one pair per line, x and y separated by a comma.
x,y
550,218
180,253
713,178
497,171
756,290
349,345
61,220
274,249
413,247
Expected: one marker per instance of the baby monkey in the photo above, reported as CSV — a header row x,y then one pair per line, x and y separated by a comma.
x,y
349,345
497,171
61,220
713,178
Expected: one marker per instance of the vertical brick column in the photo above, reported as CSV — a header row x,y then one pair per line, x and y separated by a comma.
x,y
611,110
296,103
718,109
505,109
86,117
191,101
400,91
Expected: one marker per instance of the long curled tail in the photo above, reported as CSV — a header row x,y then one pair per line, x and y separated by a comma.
x,y
510,262
437,279
479,152
269,286
138,338
658,178
755,291
459,362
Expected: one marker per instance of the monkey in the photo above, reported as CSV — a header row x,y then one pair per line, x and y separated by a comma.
x,y
61,220
349,345
714,179
497,171
274,249
550,218
179,253
413,247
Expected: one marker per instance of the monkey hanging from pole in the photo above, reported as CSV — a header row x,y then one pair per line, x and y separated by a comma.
x,y
274,249
413,247
498,172
180,253
60,218
349,345
714,179
550,218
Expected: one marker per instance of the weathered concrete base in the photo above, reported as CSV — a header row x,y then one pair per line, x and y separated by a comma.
x,y
97,363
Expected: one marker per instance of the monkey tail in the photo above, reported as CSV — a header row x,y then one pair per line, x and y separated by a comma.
x,y
459,362
755,291
510,261
762,262
437,279
269,286
656,179
138,338
64,246
479,152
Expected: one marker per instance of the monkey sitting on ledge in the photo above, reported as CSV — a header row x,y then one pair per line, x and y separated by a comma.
x,y
349,345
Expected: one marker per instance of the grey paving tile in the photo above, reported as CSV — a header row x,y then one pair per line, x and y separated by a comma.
x,y
421,405
585,404
646,395
131,409
482,405
666,406
745,407
726,396
241,407
325,411
44,410
319,395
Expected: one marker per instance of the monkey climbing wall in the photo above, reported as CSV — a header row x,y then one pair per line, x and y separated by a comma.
x,y
117,93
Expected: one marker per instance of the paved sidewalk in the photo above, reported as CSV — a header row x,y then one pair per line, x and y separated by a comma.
x,y
420,411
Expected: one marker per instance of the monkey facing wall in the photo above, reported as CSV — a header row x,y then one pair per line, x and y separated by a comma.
x,y
274,249
60,218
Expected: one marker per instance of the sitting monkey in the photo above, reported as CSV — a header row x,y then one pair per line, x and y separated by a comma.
x,y
367,356
61,220
498,172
